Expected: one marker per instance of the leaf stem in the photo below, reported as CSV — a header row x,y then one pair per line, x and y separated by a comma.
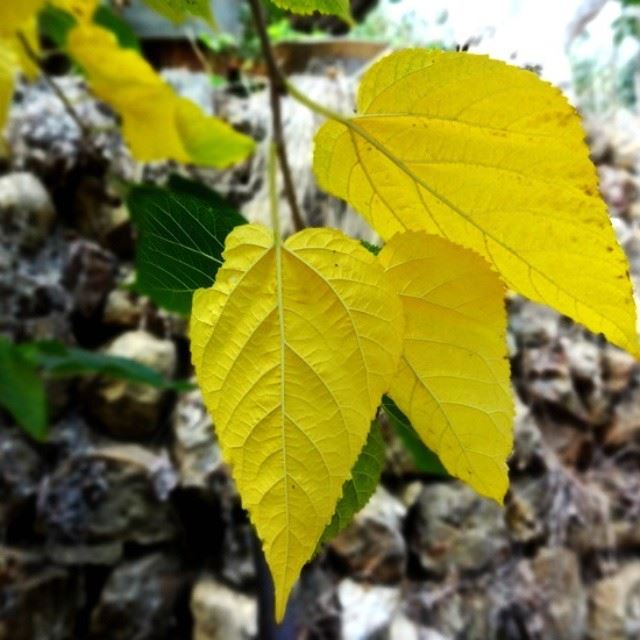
x,y
314,106
277,89
33,56
272,165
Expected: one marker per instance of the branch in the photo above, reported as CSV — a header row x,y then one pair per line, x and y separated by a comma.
x,y
278,87
33,56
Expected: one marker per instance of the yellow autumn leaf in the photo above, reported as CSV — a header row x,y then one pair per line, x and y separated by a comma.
x,y
493,158
157,124
179,10
341,8
82,10
293,347
8,66
14,13
453,378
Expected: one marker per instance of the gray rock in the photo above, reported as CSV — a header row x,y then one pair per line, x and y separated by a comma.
x,y
367,611
20,471
615,606
123,309
138,600
551,588
26,210
220,613
195,448
37,601
104,498
126,409
455,529
373,547
89,274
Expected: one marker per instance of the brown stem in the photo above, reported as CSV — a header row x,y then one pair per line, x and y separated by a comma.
x,y
277,89
33,56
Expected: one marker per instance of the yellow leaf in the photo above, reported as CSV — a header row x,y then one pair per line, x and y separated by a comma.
x,y
82,10
293,347
491,157
157,124
453,378
8,66
179,10
14,13
339,8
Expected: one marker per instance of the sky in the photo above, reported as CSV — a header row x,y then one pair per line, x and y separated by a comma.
x,y
523,31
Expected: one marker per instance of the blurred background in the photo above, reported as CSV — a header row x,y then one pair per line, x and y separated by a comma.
x,y
120,521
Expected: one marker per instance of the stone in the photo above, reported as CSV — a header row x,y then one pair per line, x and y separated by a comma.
x,y
130,410
372,546
89,274
618,368
454,529
554,575
366,610
104,498
195,447
615,605
139,600
26,211
37,601
21,469
122,309
625,425
219,613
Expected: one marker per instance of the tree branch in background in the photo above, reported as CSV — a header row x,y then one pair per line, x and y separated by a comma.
x,y
33,56
277,89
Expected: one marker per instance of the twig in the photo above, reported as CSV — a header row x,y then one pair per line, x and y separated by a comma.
x,y
33,56
278,88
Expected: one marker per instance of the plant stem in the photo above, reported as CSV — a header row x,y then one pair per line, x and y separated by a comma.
x,y
33,56
315,106
277,88
272,166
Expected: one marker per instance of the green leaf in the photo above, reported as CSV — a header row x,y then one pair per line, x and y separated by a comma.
x,y
57,359
361,486
425,460
55,24
22,391
111,21
179,10
181,234
338,8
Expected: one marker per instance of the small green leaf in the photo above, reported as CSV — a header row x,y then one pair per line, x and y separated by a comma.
x,y
125,35
181,234
22,391
56,359
361,486
340,8
179,10
425,460
55,24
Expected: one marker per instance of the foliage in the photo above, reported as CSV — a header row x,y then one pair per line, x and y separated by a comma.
x,y
292,401
179,10
476,176
181,234
339,8
22,389
425,460
147,105
120,76
362,484
453,378
521,190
